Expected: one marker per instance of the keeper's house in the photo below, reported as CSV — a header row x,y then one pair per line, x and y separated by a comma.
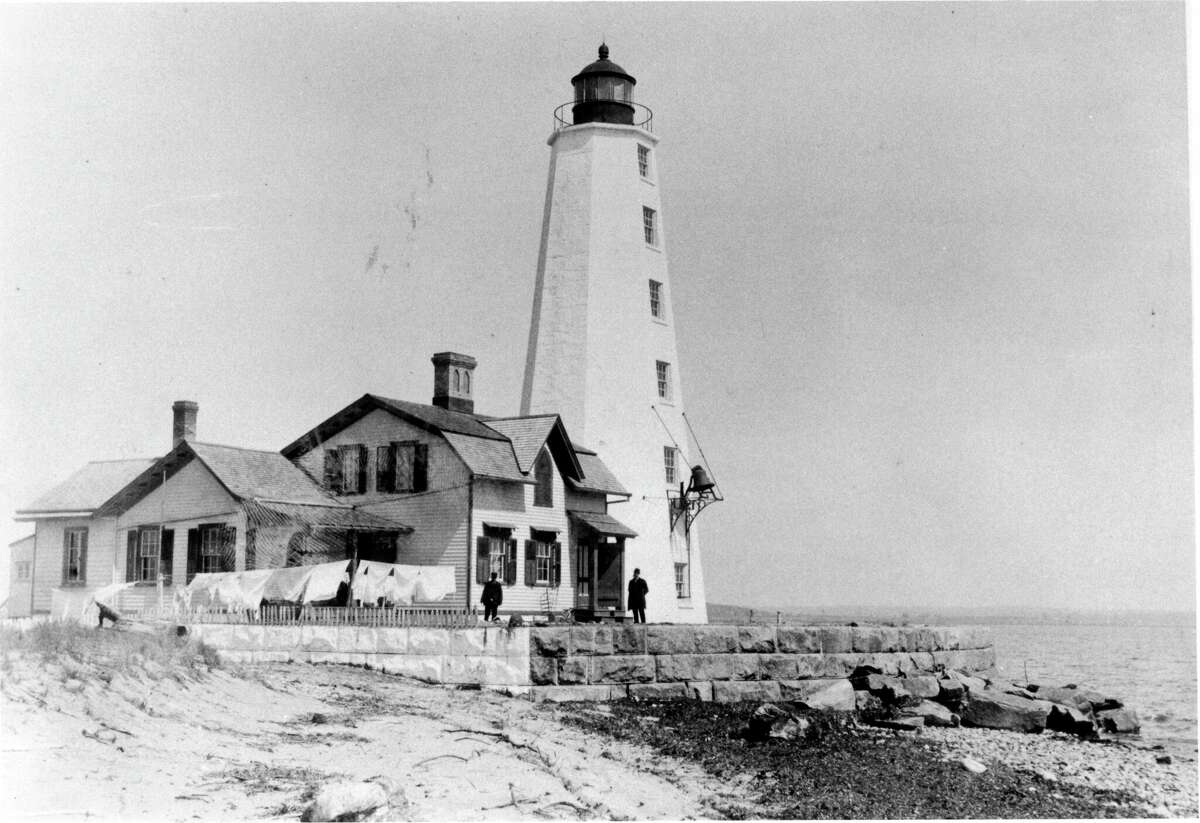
x,y
381,479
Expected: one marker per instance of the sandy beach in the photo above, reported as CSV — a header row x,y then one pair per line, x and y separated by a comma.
x,y
155,740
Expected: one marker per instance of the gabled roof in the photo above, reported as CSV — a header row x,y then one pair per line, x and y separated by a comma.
x,y
87,489
529,434
431,418
492,459
245,473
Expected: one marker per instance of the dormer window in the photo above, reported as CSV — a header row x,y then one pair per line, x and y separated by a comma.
x,y
543,475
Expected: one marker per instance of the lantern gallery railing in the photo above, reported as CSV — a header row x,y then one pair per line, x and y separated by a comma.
x,y
292,615
643,118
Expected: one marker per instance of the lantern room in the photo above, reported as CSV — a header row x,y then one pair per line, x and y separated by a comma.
x,y
603,93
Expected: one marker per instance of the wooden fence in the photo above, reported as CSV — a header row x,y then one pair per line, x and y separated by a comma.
x,y
290,615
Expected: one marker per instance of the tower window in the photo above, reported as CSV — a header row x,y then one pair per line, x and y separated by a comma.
x,y
664,379
682,589
643,161
656,308
650,225
669,464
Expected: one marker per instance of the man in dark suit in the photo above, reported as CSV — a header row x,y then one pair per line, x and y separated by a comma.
x,y
493,596
637,596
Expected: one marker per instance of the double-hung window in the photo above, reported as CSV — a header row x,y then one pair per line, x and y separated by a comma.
x,y
149,544
643,161
211,545
669,465
663,372
75,557
656,306
149,554
496,551
543,557
401,467
23,569
650,225
681,580
346,469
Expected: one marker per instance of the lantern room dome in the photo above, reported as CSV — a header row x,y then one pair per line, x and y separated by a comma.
x,y
603,93
603,66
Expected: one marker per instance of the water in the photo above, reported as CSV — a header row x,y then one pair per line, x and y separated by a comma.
x,y
1151,668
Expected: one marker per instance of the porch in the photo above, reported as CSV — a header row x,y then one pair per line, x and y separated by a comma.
x,y
599,566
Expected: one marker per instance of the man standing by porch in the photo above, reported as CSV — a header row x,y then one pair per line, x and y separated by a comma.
x,y
493,596
637,596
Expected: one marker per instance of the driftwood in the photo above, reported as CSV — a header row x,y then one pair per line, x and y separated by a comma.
x,y
498,736
439,757
511,793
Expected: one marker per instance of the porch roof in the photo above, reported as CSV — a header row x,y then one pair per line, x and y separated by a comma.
x,y
602,523
271,513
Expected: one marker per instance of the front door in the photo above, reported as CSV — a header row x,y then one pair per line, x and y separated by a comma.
x,y
584,575
610,575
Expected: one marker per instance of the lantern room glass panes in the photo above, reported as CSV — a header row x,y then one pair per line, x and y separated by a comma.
x,y
601,87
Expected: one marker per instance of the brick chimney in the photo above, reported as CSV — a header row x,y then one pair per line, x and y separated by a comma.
x,y
184,427
453,381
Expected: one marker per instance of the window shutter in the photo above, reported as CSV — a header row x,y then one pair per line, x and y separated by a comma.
x,y
530,562
481,560
193,553
228,548
361,484
510,564
555,564
131,549
66,564
83,556
333,471
251,560
385,468
167,555
420,467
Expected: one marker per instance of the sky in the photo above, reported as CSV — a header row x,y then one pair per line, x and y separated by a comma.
x,y
929,261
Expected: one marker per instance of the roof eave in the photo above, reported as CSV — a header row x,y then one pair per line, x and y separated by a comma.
x,y
27,515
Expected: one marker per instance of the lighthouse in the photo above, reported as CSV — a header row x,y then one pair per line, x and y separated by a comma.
x,y
602,344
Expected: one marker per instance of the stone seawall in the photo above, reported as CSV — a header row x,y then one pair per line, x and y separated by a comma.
x,y
491,656
612,661
729,663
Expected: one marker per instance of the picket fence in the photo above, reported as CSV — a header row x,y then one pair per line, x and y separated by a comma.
x,y
294,615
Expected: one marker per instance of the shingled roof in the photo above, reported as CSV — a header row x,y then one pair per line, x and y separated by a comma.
x,y
496,448
87,489
245,473
492,459
431,418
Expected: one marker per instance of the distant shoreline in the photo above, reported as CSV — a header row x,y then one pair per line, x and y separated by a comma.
x,y
725,613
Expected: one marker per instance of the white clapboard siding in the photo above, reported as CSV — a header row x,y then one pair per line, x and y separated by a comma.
x,y
48,555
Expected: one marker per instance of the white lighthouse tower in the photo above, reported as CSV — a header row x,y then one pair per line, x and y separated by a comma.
x,y
602,350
